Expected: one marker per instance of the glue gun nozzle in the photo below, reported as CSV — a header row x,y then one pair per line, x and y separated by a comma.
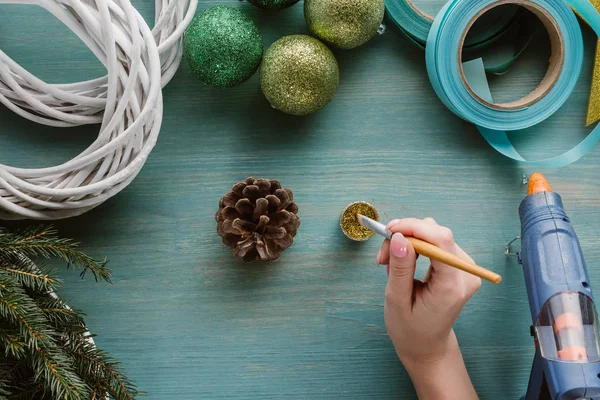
x,y
538,183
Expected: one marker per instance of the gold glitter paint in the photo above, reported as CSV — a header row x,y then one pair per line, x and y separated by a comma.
x,y
350,226
299,75
344,23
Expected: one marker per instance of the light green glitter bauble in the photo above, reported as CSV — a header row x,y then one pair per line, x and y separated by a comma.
x,y
299,75
344,23
223,46
273,4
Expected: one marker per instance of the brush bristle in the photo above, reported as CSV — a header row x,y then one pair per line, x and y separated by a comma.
x,y
359,218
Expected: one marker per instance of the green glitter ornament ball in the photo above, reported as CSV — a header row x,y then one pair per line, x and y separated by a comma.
x,y
223,46
273,4
344,23
299,75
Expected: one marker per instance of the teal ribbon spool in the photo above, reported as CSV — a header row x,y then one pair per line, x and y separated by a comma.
x,y
472,101
500,36
416,24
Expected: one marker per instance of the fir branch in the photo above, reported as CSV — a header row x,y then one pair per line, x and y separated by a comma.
x,y
22,384
91,361
13,344
59,315
13,370
47,350
32,280
48,360
18,309
35,233
43,279
63,382
30,390
98,393
44,242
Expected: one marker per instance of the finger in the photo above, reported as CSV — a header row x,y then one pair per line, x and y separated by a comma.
x,y
442,275
393,222
427,276
452,283
434,234
461,253
383,257
402,271
430,220
473,283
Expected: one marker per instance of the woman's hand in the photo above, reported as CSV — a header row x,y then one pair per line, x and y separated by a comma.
x,y
419,315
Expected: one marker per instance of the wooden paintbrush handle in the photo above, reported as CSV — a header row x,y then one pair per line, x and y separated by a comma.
x,y
434,252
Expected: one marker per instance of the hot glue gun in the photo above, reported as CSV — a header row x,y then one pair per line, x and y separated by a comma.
x,y
565,322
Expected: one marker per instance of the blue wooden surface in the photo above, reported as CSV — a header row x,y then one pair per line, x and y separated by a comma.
x,y
188,321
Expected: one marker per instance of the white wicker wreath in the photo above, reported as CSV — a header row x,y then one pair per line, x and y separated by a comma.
x,y
117,34
84,102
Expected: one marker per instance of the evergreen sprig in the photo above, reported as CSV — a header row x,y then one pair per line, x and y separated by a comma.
x,y
46,352
43,242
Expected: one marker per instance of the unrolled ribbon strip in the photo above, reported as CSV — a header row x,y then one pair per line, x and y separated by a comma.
x,y
463,87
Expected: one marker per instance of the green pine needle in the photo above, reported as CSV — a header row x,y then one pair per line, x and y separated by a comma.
x,y
45,348
43,242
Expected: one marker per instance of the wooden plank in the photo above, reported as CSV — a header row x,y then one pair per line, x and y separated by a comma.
x,y
188,321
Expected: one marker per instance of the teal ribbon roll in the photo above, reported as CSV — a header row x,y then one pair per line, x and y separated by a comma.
x,y
463,87
499,37
416,24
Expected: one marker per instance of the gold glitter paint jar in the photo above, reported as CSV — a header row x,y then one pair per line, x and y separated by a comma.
x,y
350,226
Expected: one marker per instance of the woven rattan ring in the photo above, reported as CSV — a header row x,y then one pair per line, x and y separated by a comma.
x,y
123,42
84,102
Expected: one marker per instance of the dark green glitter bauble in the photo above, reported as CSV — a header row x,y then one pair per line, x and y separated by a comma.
x,y
273,4
223,46
344,23
299,75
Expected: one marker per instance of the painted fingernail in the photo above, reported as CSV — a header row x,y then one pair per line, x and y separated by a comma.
x,y
392,223
378,257
398,246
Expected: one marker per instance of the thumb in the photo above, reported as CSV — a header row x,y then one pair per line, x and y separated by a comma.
x,y
402,268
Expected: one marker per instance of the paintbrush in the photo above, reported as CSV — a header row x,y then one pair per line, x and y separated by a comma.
x,y
432,251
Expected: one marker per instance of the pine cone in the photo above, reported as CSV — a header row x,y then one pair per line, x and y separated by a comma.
x,y
258,219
